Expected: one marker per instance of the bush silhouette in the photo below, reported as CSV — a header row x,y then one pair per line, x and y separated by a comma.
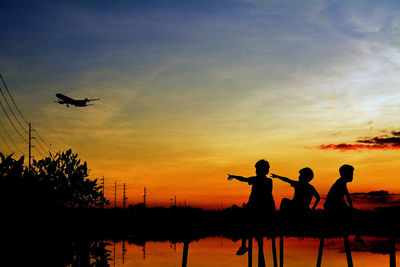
x,y
59,180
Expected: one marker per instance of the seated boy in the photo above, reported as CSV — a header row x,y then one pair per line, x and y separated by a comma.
x,y
303,192
335,204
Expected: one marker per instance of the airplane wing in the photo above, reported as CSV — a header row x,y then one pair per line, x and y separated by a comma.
x,y
63,97
93,99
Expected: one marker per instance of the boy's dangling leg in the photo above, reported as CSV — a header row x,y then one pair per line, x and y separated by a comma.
x,y
243,248
354,214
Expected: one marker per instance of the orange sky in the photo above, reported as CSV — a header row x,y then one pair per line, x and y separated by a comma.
x,y
191,91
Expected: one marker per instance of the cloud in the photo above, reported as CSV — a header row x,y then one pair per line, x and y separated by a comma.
x,y
377,200
376,197
381,200
375,245
378,142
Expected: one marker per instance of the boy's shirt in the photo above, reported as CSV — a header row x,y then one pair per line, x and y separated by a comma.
x,y
335,197
261,193
303,193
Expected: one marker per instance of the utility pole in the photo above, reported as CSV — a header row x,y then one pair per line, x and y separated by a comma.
x,y
102,182
115,195
124,198
124,250
30,147
175,200
144,197
114,253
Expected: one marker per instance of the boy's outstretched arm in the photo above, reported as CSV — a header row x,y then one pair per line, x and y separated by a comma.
x,y
287,180
239,178
317,199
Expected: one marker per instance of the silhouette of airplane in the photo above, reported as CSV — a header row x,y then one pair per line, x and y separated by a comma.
x,y
62,99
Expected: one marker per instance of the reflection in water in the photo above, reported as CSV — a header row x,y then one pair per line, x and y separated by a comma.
x,y
274,251
114,254
185,253
320,250
123,251
250,253
281,250
348,251
213,252
392,249
261,259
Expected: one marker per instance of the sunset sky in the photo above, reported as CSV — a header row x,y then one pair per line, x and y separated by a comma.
x,y
193,90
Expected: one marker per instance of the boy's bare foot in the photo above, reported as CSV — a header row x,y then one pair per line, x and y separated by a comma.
x,y
241,251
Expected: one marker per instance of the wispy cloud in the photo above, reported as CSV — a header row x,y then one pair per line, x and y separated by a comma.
x,y
378,142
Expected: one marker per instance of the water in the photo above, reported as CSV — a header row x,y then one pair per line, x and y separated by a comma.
x,y
219,251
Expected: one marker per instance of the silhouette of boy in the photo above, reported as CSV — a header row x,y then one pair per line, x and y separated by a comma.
x,y
261,201
303,192
335,203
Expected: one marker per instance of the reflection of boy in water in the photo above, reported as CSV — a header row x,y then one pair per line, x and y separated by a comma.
x,y
261,201
303,192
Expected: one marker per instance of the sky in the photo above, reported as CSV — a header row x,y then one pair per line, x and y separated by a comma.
x,y
193,90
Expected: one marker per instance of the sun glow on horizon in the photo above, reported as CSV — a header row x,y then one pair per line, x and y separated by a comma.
x,y
191,91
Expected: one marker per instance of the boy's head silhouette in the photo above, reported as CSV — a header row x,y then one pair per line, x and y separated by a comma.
x,y
306,175
262,167
346,172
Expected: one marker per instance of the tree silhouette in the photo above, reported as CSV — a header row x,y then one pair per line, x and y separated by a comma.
x,y
59,180
13,181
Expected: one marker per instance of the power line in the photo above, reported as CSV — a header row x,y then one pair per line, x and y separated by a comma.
x,y
5,142
30,137
43,149
38,151
9,137
30,147
1,77
41,139
20,114
12,124
40,146
12,112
